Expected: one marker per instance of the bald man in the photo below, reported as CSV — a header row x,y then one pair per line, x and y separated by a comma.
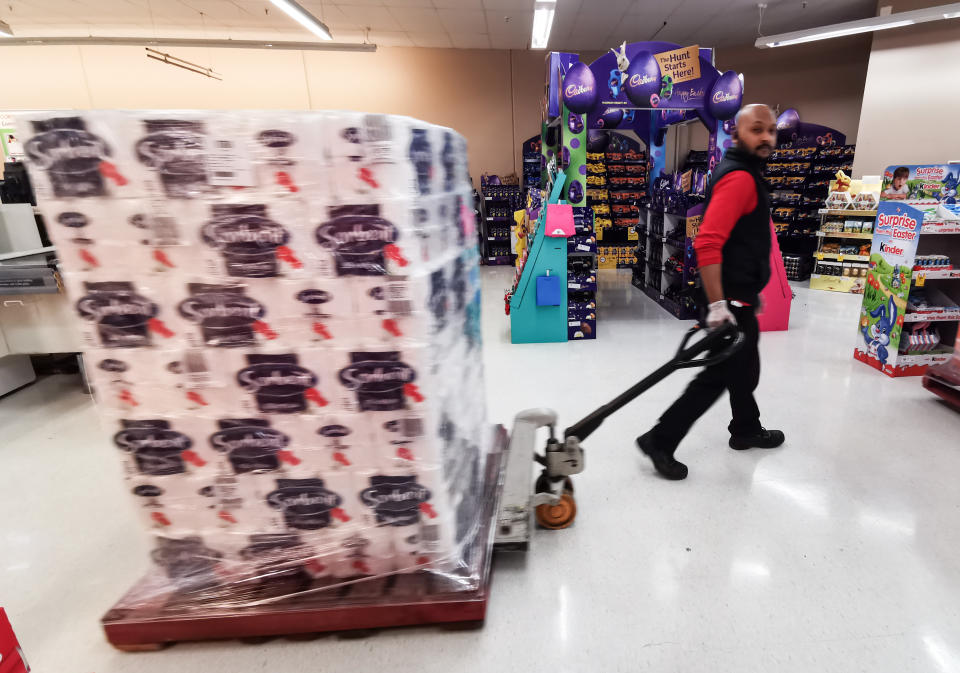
x,y
733,253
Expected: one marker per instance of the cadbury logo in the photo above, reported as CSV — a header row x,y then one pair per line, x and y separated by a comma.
x,y
577,89
363,373
263,376
252,438
146,440
55,146
640,80
723,97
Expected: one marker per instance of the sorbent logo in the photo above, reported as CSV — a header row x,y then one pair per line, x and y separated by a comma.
x,y
234,439
367,374
260,376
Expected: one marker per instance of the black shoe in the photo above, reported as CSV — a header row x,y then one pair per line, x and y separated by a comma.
x,y
765,439
663,461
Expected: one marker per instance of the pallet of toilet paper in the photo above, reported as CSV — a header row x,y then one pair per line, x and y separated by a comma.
x,y
280,312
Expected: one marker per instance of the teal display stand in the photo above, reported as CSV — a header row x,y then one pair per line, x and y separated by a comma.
x,y
547,255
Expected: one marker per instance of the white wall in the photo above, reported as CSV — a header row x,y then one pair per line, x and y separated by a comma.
x,y
912,96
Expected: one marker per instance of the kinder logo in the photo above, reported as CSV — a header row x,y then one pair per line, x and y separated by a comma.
x,y
72,219
151,439
316,499
372,375
258,233
395,496
276,138
158,149
723,97
257,377
61,145
97,308
249,438
890,248
640,80
205,307
931,186
356,233
314,296
930,173
577,90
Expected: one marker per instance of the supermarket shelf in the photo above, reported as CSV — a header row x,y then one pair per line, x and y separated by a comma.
x,y
849,213
841,258
932,316
840,234
936,274
940,228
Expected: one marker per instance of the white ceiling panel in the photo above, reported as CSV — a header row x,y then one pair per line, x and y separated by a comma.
x,y
463,20
431,39
578,25
418,19
470,40
375,18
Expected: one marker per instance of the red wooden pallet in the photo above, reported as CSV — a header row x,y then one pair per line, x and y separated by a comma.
x,y
327,605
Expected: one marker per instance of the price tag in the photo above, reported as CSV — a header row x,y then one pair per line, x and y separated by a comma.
x,y
921,280
819,256
839,258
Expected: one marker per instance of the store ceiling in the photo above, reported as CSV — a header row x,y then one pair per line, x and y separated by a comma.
x,y
466,24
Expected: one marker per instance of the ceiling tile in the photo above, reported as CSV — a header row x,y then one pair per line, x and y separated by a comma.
x,y
431,39
417,19
390,39
410,3
519,4
458,4
375,18
463,20
470,40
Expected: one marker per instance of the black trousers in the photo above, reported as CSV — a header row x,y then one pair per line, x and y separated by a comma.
x,y
739,374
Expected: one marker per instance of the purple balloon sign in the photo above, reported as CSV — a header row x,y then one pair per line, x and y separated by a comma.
x,y
579,88
611,118
575,192
574,123
597,140
725,96
788,121
643,79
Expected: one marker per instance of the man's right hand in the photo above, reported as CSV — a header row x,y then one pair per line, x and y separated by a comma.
x,y
718,314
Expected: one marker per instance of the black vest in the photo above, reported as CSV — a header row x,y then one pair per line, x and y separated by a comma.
x,y
746,254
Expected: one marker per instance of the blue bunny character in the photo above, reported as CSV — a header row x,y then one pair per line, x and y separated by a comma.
x,y
949,192
614,83
877,336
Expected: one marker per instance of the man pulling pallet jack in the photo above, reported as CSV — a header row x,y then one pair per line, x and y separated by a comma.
x,y
733,249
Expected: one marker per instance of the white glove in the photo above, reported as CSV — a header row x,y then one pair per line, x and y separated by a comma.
x,y
718,313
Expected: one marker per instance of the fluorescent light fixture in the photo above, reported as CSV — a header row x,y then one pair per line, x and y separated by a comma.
x,y
898,20
304,18
186,42
5,29
542,23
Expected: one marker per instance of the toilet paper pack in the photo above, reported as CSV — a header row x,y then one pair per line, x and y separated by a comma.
x,y
287,152
242,314
77,155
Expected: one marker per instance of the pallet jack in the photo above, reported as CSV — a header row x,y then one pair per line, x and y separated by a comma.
x,y
552,501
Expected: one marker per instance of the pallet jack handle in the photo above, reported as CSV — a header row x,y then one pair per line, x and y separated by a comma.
x,y
719,344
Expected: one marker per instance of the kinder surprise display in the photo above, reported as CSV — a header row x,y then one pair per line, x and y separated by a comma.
x,y
281,319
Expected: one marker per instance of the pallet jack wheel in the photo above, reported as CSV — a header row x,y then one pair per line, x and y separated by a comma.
x,y
560,515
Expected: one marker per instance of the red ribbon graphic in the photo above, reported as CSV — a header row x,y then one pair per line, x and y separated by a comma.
x,y
341,457
88,257
366,175
288,457
393,253
314,396
412,391
156,325
338,514
161,257
392,326
197,398
264,329
405,453
285,254
160,518
109,171
127,396
193,458
322,330
227,516
427,509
